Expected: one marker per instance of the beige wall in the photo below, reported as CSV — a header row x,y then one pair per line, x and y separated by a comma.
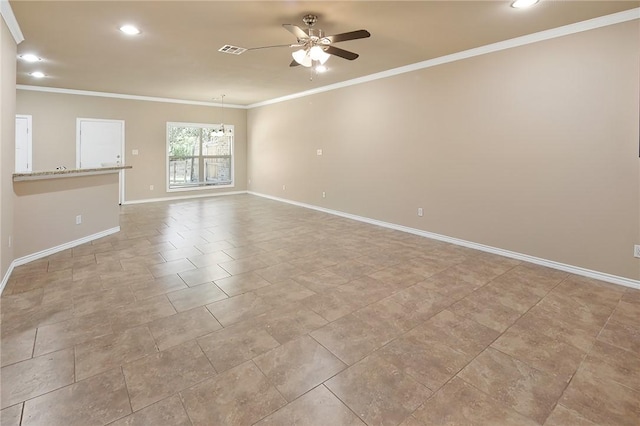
x,y
54,135
47,210
7,143
532,149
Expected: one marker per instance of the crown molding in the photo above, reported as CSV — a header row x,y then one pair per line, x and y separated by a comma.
x,y
123,96
11,21
602,21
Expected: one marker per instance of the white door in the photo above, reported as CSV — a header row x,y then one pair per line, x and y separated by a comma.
x,y
100,143
23,144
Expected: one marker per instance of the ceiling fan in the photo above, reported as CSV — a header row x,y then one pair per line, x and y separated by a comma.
x,y
315,48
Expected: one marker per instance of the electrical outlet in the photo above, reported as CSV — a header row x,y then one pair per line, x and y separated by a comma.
x,y
78,219
420,212
284,187
636,250
324,194
318,152
150,187
134,152
10,241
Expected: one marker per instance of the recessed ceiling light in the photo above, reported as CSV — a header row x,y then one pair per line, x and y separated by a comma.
x,y
30,57
520,4
37,74
130,30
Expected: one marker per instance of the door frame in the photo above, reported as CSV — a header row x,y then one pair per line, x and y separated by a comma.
x,y
121,185
29,119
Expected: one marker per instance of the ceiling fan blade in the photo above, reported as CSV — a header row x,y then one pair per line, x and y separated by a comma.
x,y
341,52
352,35
293,63
296,31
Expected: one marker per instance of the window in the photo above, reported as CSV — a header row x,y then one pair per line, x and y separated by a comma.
x,y
200,156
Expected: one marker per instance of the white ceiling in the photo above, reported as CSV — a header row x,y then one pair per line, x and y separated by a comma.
x,y
176,55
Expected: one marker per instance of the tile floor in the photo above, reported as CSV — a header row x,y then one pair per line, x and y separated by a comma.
x,y
240,311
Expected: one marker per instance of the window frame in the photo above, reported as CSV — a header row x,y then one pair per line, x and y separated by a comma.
x,y
229,130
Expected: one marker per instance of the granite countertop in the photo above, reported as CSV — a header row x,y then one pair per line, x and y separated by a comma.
x,y
53,174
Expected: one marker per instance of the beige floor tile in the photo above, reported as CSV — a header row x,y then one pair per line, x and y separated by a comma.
x,y
450,285
112,351
158,376
458,403
71,332
25,319
351,338
313,263
561,416
140,312
238,308
166,412
240,266
352,269
298,366
562,327
213,247
194,297
173,267
101,300
283,293
11,416
602,401
609,362
397,277
30,300
158,286
36,376
622,335
243,396
181,327
279,272
458,333
140,262
288,325
17,346
234,345
392,294
430,363
530,392
378,392
181,253
539,351
242,283
321,280
318,407
36,281
484,309
203,275
209,258
71,263
98,400
243,252
66,291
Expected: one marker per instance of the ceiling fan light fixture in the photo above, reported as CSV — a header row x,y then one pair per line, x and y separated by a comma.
x,y
317,53
302,57
321,68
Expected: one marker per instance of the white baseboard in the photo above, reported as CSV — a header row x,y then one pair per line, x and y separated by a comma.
x,y
48,252
602,276
183,197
